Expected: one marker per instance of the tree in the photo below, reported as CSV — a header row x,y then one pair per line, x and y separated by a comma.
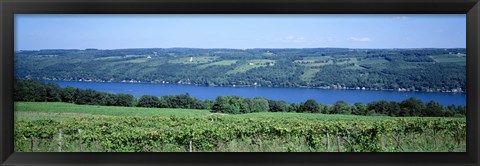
x,y
29,90
403,112
228,104
462,110
108,99
85,96
379,107
126,100
294,107
258,104
324,109
359,109
53,92
340,107
163,103
277,106
148,101
393,108
208,104
433,108
450,111
68,94
181,101
413,106
310,106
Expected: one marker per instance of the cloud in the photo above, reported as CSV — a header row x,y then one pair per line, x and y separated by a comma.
x,y
292,39
361,39
328,40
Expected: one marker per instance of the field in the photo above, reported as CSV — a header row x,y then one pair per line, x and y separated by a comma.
x,y
251,64
56,127
219,63
191,60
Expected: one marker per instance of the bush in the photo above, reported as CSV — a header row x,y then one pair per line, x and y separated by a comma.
x,y
125,100
310,106
148,101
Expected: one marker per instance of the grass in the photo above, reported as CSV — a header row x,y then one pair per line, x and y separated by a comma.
x,y
449,58
219,63
311,63
195,60
355,67
58,111
309,74
372,61
317,58
315,61
27,115
251,64
138,60
347,60
242,69
261,61
109,58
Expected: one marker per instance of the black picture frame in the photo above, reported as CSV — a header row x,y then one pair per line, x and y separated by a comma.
x,y
10,7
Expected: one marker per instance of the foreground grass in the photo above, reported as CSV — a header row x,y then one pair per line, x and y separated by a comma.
x,y
148,122
59,111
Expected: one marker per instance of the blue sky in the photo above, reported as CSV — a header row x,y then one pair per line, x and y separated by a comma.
x,y
54,31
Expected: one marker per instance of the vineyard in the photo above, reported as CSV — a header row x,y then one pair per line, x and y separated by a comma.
x,y
219,133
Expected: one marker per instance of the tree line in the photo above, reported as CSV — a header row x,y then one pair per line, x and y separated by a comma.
x,y
36,91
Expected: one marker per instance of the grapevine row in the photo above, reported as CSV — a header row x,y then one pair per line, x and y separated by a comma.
x,y
135,133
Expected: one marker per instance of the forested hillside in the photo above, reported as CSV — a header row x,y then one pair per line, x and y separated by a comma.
x,y
337,68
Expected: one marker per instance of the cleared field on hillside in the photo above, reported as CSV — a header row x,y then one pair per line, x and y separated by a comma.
x,y
251,64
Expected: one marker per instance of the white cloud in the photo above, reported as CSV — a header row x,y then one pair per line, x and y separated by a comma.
x,y
292,39
360,39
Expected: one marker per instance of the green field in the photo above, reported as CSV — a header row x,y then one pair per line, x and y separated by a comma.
x,y
309,74
372,61
194,60
454,58
139,60
219,63
125,129
251,64
59,111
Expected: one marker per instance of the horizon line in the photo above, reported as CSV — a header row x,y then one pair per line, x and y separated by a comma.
x,y
235,48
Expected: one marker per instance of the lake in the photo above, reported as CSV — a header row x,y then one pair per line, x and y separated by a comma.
x,y
292,95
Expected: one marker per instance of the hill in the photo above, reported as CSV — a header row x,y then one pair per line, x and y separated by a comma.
x,y
337,68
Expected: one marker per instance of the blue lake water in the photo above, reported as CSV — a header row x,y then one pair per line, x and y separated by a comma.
x,y
292,95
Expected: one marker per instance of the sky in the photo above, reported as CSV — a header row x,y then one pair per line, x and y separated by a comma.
x,y
81,31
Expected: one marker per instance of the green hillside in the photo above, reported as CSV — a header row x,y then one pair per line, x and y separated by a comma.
x,y
409,69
